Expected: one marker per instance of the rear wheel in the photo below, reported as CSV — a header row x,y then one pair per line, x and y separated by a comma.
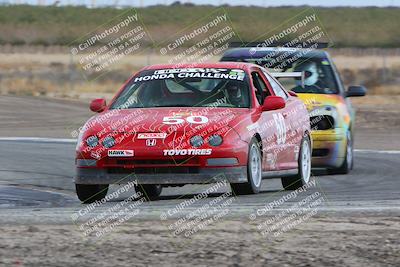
x,y
254,175
304,170
149,191
88,193
347,164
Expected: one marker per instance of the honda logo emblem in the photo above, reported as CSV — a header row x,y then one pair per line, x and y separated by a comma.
x,y
151,142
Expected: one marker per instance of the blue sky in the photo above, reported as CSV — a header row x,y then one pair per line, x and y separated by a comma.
x,y
360,3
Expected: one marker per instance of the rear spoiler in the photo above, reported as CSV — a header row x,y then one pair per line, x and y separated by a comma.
x,y
260,44
298,74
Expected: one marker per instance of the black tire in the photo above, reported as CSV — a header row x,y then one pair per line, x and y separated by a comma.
x,y
89,193
149,191
253,184
303,175
348,161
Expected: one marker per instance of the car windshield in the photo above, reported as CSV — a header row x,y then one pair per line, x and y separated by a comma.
x,y
318,72
186,87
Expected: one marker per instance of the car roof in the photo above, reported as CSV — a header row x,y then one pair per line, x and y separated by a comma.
x,y
259,52
228,65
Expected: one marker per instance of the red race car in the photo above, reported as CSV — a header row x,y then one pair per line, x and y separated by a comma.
x,y
172,125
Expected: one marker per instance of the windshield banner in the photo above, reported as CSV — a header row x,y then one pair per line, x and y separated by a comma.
x,y
208,73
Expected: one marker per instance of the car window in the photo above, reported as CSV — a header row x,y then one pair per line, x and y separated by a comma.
x,y
276,86
187,87
319,77
261,87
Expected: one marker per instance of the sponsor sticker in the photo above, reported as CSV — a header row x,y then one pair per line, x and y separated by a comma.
x,y
120,153
152,135
208,73
215,70
185,152
296,152
271,159
281,128
151,142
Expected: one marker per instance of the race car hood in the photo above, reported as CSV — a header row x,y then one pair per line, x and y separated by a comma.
x,y
324,104
168,128
165,120
313,101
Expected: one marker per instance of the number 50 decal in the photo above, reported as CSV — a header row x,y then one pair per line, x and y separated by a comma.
x,y
190,119
281,126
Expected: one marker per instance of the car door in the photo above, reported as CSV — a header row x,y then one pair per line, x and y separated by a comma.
x,y
269,124
287,119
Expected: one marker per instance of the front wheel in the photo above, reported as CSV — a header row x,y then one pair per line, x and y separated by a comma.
x,y
254,172
304,170
347,164
89,193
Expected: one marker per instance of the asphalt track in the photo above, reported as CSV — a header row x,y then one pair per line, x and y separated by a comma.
x,y
36,184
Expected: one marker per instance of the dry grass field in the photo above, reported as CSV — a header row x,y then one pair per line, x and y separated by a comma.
x,y
59,74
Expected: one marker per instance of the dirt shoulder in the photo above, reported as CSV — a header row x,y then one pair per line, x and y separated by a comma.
x,y
377,122
322,241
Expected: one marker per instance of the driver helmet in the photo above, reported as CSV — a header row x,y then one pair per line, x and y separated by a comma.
x,y
310,73
234,92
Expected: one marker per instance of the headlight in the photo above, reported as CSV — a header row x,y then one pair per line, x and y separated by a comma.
x,y
324,118
108,142
215,140
323,122
196,141
92,141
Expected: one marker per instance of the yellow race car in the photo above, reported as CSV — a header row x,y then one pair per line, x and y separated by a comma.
x,y
331,118
318,84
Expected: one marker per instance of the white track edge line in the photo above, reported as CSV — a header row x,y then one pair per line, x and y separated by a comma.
x,y
377,151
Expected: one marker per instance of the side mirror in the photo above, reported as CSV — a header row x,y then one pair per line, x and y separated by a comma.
x,y
356,90
98,105
292,93
273,103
